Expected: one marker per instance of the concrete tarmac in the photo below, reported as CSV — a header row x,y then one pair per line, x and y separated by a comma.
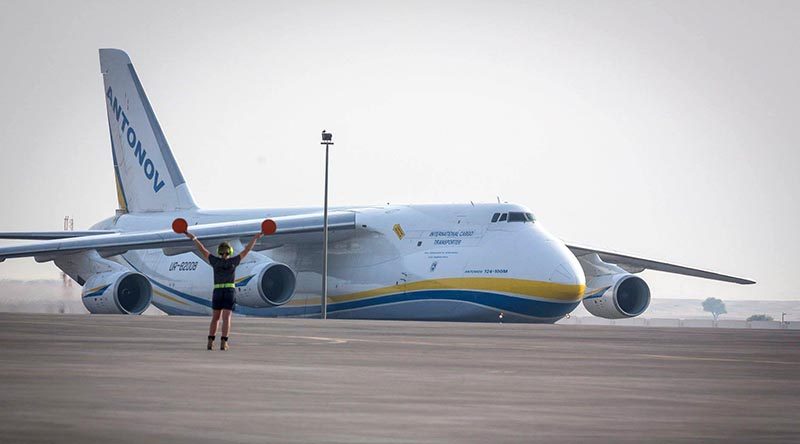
x,y
81,378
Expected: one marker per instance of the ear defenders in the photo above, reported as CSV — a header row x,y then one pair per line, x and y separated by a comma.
x,y
222,249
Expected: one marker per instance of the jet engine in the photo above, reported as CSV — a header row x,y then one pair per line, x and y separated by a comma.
x,y
117,292
626,296
264,283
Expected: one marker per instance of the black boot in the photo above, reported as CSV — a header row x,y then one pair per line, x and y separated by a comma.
x,y
211,342
223,345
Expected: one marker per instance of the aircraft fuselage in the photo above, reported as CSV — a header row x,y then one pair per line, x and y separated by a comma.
x,y
410,262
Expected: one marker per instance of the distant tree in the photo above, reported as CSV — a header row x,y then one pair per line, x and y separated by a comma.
x,y
760,317
715,306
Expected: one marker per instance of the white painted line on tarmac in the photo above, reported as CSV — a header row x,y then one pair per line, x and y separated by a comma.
x,y
695,358
331,340
136,327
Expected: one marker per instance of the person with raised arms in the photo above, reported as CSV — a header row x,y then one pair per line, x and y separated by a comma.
x,y
223,300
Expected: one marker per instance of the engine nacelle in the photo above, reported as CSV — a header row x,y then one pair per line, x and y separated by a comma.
x,y
264,284
626,296
117,292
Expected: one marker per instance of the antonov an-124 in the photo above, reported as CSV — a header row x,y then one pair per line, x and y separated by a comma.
x,y
471,262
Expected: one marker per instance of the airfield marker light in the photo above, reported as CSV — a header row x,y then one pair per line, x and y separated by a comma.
x,y
268,227
180,225
327,140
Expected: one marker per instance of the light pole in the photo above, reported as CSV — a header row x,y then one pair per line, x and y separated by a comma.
x,y
327,140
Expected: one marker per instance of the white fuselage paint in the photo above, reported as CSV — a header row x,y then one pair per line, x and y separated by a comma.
x,y
424,262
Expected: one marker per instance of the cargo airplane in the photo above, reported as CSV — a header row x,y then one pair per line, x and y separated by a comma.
x,y
416,262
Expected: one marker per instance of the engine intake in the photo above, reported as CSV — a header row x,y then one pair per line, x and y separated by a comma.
x,y
271,284
117,293
627,296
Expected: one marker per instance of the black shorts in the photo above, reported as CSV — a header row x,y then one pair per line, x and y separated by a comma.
x,y
223,299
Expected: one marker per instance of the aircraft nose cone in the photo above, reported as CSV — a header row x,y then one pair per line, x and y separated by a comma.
x,y
563,274
568,275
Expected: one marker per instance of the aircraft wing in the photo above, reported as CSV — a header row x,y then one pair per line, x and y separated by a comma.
x,y
47,235
636,264
288,229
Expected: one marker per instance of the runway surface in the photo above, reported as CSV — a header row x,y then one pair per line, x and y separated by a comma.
x,y
80,378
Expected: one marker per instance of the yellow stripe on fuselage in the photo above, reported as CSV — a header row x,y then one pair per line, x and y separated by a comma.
x,y
520,287
517,287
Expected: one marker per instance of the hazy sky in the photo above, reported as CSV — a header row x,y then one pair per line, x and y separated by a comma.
x,y
662,129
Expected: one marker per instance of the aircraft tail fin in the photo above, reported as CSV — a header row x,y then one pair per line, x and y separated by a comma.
x,y
148,178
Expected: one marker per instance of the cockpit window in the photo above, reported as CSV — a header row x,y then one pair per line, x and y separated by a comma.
x,y
520,217
516,217
503,217
495,217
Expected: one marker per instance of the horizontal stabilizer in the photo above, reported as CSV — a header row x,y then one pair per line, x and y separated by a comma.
x,y
648,264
